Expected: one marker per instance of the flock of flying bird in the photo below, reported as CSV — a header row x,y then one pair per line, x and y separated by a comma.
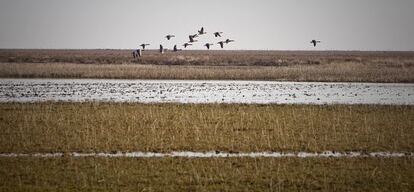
x,y
192,39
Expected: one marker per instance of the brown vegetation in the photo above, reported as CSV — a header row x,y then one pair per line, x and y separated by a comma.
x,y
207,58
106,127
238,65
230,174
341,72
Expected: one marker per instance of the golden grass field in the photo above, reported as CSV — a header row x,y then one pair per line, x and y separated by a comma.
x,y
108,127
328,66
183,174
112,127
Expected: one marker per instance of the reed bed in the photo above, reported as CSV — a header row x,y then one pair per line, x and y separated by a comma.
x,y
111,127
238,65
183,174
336,72
207,58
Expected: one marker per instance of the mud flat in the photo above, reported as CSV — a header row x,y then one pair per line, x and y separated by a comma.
x,y
201,91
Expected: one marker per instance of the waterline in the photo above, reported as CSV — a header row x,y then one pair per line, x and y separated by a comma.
x,y
192,91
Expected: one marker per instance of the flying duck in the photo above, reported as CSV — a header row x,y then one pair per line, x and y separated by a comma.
x,y
191,37
175,48
143,45
217,34
201,31
161,49
314,42
194,36
187,44
221,44
208,45
169,37
228,41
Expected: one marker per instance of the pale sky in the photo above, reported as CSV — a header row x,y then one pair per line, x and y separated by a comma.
x,y
254,24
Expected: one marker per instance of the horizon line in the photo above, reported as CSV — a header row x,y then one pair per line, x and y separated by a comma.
x,y
287,50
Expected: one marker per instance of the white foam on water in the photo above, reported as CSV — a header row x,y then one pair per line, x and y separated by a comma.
x,y
203,91
215,154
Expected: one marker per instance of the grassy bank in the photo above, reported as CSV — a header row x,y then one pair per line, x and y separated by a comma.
x,y
331,66
180,174
335,72
60,127
208,57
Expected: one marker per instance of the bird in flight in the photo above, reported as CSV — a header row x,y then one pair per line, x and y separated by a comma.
x,y
169,37
201,31
221,44
217,34
187,44
175,49
314,42
161,49
208,45
191,37
143,45
228,41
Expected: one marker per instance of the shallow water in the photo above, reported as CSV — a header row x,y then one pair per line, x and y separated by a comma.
x,y
214,154
199,91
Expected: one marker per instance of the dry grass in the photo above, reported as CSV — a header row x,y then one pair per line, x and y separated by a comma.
x,y
338,72
207,58
243,65
180,174
66,127
86,127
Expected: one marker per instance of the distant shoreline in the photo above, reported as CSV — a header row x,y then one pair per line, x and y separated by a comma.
x,y
322,66
231,50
